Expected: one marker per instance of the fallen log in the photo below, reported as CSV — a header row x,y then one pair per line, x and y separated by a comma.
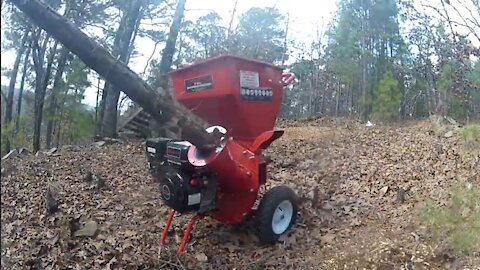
x,y
160,107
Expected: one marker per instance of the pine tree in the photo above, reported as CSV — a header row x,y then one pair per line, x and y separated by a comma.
x,y
387,98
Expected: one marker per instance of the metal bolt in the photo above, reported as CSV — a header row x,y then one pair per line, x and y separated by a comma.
x,y
244,152
249,173
251,157
251,190
244,214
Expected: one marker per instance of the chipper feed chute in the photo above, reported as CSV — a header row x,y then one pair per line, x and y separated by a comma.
x,y
241,98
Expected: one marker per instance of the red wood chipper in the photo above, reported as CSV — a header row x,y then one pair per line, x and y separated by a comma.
x,y
240,98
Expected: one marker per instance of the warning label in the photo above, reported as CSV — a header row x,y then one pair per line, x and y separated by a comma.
x,y
249,79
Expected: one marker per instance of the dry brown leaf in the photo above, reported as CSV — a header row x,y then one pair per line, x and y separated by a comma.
x,y
346,162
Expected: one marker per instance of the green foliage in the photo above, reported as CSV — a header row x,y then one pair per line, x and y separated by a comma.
x,y
77,76
17,137
7,134
83,124
387,98
458,222
474,75
457,108
470,135
304,69
419,98
260,35
362,42
445,82
209,36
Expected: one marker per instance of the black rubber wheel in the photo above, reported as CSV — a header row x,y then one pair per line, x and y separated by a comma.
x,y
276,213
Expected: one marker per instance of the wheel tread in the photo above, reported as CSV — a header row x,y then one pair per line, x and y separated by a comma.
x,y
268,204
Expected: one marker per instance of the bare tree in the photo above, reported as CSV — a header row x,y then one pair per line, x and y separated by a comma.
x,y
53,103
169,50
99,59
121,50
13,80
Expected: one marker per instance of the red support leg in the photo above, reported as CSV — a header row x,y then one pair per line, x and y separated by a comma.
x,y
167,226
187,234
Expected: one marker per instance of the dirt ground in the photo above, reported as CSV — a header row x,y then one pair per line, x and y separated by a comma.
x,y
361,190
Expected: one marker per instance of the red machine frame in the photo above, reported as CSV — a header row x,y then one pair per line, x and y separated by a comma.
x,y
243,96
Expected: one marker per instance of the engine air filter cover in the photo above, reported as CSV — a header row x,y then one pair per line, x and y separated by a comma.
x,y
177,193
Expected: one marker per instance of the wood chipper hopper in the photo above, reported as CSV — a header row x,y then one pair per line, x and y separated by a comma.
x,y
240,98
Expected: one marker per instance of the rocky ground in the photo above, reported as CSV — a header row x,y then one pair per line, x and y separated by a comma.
x,y
361,190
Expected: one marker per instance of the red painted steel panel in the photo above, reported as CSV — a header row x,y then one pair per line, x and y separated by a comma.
x,y
212,90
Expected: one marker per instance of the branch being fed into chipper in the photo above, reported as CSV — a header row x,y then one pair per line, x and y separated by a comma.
x,y
99,59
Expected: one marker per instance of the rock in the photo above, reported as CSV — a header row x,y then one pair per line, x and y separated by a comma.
x,y
469,186
112,140
448,134
68,147
51,151
88,230
52,204
201,257
99,143
11,154
384,190
452,121
23,151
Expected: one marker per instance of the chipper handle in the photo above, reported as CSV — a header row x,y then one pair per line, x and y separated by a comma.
x,y
287,78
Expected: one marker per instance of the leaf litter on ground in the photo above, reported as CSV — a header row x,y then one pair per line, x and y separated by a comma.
x,y
346,175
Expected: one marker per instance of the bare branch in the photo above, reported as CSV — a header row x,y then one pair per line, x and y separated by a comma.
x,y
150,58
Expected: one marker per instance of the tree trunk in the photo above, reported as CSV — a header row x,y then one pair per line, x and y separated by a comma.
x,y
13,79
97,106
59,122
121,50
99,59
169,51
101,110
41,82
11,86
131,45
364,90
22,85
229,32
52,105
38,54
109,121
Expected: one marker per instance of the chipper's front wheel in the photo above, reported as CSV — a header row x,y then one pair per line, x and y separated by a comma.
x,y
276,213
